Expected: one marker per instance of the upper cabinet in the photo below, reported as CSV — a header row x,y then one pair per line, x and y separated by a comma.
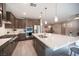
x,y
20,23
15,22
2,12
32,22
11,18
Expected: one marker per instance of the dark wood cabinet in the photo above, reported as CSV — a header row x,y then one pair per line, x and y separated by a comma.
x,y
21,37
4,11
39,47
32,22
8,16
15,22
8,48
11,18
20,23
8,25
0,14
0,20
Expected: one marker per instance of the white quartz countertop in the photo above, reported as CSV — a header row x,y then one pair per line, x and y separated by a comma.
x,y
4,40
56,41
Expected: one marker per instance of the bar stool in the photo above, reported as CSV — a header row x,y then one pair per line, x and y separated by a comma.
x,y
74,50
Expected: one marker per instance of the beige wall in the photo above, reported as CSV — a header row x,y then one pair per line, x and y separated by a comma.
x,y
57,28
73,27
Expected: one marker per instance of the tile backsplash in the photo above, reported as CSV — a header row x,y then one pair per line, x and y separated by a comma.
x,y
4,31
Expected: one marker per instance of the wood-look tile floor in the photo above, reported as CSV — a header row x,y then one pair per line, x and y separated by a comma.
x,y
24,48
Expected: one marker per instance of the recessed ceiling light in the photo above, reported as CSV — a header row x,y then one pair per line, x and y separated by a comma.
x,y
24,13
45,22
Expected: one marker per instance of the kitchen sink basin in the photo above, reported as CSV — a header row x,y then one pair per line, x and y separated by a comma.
x,y
42,36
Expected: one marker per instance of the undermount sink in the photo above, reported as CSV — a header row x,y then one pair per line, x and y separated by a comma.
x,y
42,36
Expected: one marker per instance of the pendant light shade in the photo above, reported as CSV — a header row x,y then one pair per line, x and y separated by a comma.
x,y
45,22
56,18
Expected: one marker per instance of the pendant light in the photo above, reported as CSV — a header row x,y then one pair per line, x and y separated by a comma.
x,y
56,18
40,17
45,16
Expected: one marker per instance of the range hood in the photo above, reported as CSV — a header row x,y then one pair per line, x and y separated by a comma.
x,y
7,22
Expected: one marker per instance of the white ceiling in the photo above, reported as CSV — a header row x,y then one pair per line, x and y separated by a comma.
x,y
64,10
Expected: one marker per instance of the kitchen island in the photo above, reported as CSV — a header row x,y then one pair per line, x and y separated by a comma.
x,y
51,42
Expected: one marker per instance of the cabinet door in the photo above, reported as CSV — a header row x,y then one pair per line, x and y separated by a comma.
x,y
16,23
7,50
39,47
20,23
37,22
0,14
11,18
4,11
0,19
8,16
10,48
2,47
8,25
23,23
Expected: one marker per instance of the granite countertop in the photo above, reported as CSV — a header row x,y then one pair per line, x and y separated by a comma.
x,y
5,38
56,41
2,41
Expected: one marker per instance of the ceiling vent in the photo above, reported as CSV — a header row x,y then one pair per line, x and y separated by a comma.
x,y
33,4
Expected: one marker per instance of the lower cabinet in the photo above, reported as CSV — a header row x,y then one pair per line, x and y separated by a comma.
x,y
39,47
8,50
21,37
